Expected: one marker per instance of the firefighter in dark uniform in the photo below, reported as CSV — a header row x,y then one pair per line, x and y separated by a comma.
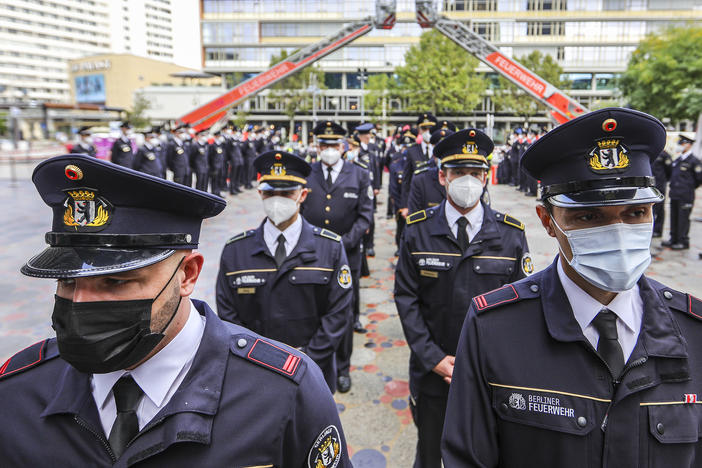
x,y
661,168
139,373
352,155
418,155
176,157
287,279
340,199
370,155
685,177
587,363
449,254
235,160
395,181
164,138
390,156
198,157
146,159
84,145
426,190
515,152
249,153
121,152
216,153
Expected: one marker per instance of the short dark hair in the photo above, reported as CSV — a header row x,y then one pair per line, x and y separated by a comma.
x,y
547,205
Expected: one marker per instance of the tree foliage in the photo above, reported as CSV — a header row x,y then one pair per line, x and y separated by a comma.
x,y
440,76
136,116
664,74
508,97
381,89
293,91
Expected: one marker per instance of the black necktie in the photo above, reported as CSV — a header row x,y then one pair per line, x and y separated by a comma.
x,y
608,345
280,251
462,233
127,395
329,179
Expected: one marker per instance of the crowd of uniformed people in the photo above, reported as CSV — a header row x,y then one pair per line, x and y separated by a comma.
x,y
585,363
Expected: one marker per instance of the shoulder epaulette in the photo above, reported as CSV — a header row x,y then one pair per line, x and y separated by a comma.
x,y
29,357
276,357
685,303
421,169
241,235
360,164
514,222
524,289
328,234
417,216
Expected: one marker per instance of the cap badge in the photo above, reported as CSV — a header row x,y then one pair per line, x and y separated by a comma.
x,y
73,172
470,148
609,125
608,156
85,211
278,169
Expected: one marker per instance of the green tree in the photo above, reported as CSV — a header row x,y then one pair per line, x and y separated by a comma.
x,y
439,76
3,123
293,92
664,74
508,97
136,116
381,88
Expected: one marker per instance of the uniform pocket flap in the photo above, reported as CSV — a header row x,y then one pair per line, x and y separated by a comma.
x,y
310,275
675,424
545,409
493,265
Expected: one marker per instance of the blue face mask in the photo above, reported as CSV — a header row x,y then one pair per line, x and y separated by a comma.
x,y
611,257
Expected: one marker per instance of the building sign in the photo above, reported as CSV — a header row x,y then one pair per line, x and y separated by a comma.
x,y
95,65
90,89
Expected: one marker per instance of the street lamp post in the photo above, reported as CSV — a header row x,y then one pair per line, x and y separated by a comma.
x,y
362,76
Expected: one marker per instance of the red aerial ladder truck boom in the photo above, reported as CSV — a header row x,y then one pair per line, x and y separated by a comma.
x,y
210,113
563,108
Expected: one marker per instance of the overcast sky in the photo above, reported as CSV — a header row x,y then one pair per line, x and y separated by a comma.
x,y
186,33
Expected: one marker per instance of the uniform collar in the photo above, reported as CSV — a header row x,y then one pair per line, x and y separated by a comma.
x,y
474,216
291,233
336,167
156,376
626,305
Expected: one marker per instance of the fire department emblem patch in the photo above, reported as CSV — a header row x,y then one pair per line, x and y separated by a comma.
x,y
326,451
85,211
344,277
278,170
609,156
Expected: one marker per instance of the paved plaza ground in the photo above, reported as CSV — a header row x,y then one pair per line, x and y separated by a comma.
x,y
375,413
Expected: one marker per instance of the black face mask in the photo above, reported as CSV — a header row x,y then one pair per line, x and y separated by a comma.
x,y
105,336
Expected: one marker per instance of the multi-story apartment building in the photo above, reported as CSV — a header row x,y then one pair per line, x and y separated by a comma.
x,y
39,37
591,40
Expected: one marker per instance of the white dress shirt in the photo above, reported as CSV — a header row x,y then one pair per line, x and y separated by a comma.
x,y
474,217
159,377
336,169
291,233
626,305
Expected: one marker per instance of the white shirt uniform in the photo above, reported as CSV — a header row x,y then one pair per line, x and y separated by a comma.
x,y
474,217
291,233
626,305
336,169
159,377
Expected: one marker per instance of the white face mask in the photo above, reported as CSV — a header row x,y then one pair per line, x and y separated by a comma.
x,y
279,208
330,156
154,141
611,257
465,191
351,155
88,140
163,138
426,136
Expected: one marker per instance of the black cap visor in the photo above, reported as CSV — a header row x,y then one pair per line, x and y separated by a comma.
x,y
611,196
78,262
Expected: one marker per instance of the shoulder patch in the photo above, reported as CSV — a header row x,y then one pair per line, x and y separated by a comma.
x,y
275,357
328,234
526,288
360,164
29,357
514,222
241,235
417,217
421,169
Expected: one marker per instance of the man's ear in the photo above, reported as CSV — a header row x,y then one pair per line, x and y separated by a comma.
x,y
442,177
191,267
303,195
546,220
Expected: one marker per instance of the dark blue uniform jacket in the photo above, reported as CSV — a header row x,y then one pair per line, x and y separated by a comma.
x,y
685,178
529,389
435,282
426,191
305,303
240,405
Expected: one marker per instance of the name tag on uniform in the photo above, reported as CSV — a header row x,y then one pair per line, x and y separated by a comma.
x,y
428,273
350,195
126,148
179,151
246,290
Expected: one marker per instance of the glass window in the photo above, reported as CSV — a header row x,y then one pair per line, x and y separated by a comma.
x,y
333,80
605,81
578,80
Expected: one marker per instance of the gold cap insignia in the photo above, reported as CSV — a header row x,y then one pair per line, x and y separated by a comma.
x,y
609,156
73,172
609,125
85,211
